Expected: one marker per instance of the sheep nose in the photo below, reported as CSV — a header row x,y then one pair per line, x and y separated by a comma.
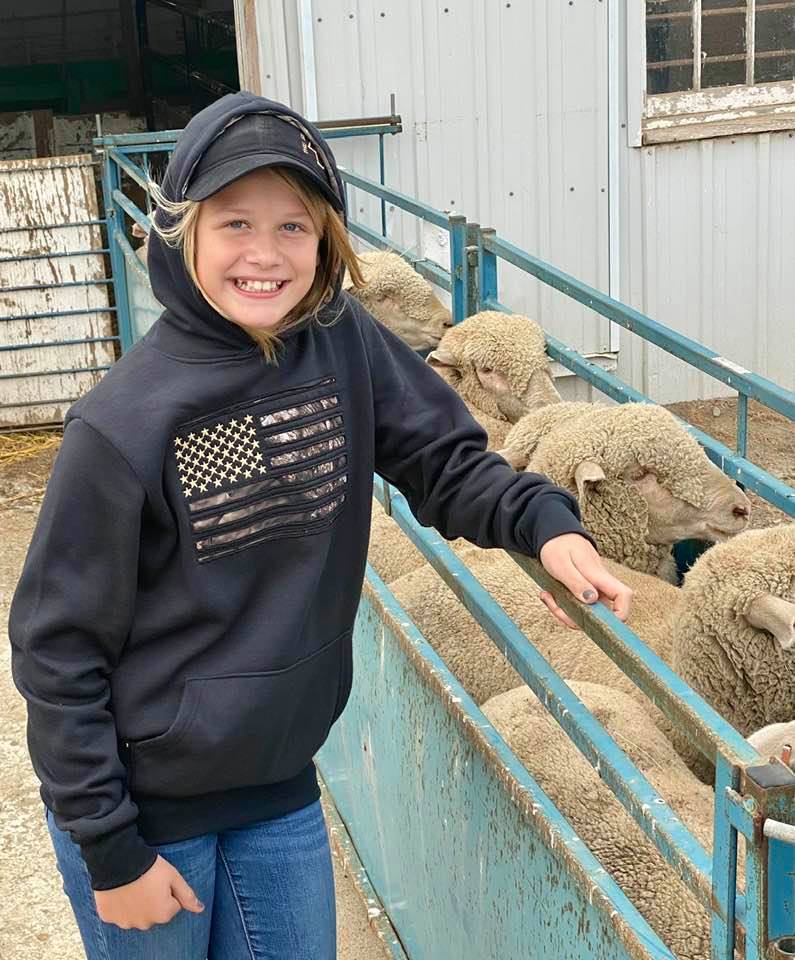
x,y
741,511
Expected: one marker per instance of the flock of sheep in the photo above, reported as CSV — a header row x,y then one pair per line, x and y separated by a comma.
x,y
643,484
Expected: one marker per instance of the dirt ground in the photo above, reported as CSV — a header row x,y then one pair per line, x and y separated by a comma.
x,y
36,922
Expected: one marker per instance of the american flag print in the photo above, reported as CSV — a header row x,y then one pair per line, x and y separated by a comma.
x,y
273,468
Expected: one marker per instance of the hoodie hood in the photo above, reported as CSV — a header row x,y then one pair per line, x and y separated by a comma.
x,y
190,326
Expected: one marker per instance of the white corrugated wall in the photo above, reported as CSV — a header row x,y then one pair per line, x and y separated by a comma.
x,y
505,112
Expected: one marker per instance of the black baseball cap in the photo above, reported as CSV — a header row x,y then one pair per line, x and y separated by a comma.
x,y
262,140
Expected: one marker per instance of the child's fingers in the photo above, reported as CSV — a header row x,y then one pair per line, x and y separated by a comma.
x,y
184,895
549,602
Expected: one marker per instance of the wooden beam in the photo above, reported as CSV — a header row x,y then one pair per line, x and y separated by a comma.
x,y
248,48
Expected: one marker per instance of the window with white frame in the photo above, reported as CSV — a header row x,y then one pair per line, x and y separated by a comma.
x,y
717,67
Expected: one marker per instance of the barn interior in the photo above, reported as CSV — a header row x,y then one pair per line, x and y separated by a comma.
x,y
71,67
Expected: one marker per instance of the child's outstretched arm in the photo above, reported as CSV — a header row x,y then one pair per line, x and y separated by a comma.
x,y
429,446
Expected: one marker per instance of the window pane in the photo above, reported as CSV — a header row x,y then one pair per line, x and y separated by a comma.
x,y
775,43
669,45
723,47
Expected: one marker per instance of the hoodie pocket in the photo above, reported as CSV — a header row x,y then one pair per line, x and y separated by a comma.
x,y
244,729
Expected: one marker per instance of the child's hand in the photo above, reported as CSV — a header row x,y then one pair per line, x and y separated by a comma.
x,y
572,559
156,896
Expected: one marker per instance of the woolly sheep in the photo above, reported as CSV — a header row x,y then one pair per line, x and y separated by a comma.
x,y
642,481
776,741
591,808
498,363
733,635
483,670
397,296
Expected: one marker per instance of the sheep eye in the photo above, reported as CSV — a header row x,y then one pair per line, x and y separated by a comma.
x,y
487,370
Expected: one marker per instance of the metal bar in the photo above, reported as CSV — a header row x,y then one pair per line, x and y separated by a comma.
x,y
132,211
724,863
50,373
743,471
148,174
53,226
660,824
111,182
487,265
341,840
742,424
458,264
706,728
398,199
427,268
759,388
54,256
58,313
382,173
54,166
389,124
696,44
55,286
195,14
133,171
473,270
55,343
33,403
750,41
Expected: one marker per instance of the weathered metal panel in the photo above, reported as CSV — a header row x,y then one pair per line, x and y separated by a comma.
x,y
505,117
48,191
708,248
466,852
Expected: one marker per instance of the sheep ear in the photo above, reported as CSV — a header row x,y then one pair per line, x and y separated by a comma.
x,y
517,458
440,357
774,615
587,472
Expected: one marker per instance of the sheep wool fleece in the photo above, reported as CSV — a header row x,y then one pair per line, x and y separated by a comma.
x,y
182,627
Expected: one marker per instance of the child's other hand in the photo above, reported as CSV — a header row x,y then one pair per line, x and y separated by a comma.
x,y
156,896
572,559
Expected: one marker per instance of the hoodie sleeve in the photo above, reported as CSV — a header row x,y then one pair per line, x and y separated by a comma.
x,y
430,447
69,620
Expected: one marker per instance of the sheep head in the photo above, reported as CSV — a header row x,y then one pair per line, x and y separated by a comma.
x,y
776,742
733,633
498,363
642,481
399,298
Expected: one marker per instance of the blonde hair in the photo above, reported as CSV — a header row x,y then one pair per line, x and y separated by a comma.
x,y
335,253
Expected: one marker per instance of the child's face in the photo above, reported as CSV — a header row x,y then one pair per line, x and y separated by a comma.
x,y
256,250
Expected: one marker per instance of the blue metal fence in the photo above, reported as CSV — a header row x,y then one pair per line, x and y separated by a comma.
x,y
473,282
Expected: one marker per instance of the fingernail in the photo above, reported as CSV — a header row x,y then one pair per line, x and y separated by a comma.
x,y
200,905
589,595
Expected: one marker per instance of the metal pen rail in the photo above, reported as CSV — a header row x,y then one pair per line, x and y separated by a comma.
x,y
747,384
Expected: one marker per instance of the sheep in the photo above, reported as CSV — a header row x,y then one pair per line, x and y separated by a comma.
x,y
402,300
591,808
775,742
642,481
142,252
498,363
733,635
477,662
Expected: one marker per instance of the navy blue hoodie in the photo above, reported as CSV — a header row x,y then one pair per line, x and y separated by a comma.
x,y
182,627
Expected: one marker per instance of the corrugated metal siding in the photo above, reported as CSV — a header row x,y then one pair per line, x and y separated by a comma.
x,y
708,248
504,109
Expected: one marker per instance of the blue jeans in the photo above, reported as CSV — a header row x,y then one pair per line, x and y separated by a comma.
x,y
267,890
